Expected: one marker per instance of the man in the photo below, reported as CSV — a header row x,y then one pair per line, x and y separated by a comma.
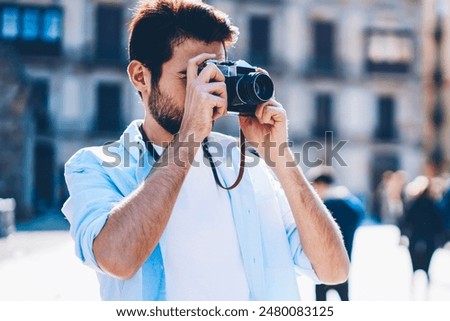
x,y
167,231
347,210
444,205
422,222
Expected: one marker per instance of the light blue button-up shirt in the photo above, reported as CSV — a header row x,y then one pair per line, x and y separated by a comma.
x,y
98,178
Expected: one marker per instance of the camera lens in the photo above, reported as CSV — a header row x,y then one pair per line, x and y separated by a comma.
x,y
254,88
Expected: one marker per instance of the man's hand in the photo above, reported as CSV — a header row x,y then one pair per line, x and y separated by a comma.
x,y
206,98
267,130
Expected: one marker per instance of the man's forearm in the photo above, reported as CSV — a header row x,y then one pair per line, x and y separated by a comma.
x,y
320,236
135,226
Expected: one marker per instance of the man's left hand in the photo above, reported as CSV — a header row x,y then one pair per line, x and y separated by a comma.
x,y
267,130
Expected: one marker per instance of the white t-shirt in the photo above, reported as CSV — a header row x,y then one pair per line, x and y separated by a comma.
x,y
200,249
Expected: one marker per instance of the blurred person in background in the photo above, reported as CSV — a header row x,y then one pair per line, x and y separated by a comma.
x,y
422,222
390,197
444,205
379,197
347,210
392,209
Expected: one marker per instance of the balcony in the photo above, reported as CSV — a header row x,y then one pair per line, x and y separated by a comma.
x,y
31,29
389,51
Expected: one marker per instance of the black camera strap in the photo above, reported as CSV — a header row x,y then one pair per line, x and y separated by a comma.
x,y
241,164
149,144
151,149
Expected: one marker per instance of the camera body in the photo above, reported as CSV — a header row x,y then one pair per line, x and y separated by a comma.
x,y
246,87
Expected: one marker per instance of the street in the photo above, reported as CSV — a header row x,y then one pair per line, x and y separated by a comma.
x,y
41,265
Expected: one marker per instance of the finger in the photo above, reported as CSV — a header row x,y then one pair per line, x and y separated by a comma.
x,y
219,112
264,112
259,111
193,63
217,102
273,114
219,106
267,116
216,88
211,72
260,108
259,69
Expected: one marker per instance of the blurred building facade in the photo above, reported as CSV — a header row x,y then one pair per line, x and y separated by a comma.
x,y
16,128
352,67
355,68
74,57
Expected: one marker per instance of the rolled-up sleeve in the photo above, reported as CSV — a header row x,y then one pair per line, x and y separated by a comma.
x,y
92,196
302,264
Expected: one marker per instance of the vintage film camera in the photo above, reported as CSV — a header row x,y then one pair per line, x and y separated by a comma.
x,y
246,87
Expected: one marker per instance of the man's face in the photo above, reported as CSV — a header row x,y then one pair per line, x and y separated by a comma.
x,y
166,101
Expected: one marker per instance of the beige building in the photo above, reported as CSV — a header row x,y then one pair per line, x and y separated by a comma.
x,y
353,67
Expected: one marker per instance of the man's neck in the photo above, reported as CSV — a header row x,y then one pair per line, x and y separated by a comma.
x,y
155,133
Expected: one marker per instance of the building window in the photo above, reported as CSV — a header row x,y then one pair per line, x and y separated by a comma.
x,y
39,106
260,41
10,22
385,129
324,58
109,33
389,51
32,29
30,24
109,113
51,26
323,114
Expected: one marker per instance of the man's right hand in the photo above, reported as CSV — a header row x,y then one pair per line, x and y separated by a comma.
x,y
206,98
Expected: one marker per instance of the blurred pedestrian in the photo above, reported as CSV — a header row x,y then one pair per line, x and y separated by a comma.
x,y
390,197
347,210
379,197
445,212
422,223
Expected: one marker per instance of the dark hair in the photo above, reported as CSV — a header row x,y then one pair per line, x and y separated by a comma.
x,y
159,25
322,174
324,178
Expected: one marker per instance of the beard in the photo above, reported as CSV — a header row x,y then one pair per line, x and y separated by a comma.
x,y
164,110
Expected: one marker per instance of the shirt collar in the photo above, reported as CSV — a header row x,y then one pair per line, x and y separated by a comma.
x,y
132,141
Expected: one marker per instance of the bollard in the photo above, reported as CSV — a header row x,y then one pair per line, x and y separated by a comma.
x,y
7,216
